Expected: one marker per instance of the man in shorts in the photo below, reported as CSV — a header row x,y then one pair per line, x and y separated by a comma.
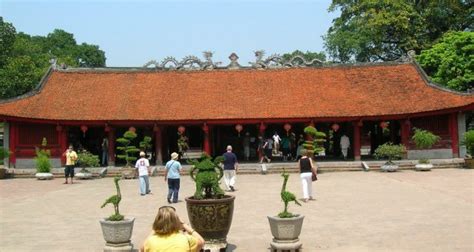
x,y
71,157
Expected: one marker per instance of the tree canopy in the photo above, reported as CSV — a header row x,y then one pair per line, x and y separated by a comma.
x,y
450,62
24,59
309,56
384,30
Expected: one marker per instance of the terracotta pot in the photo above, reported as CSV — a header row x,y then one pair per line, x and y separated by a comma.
x,y
211,218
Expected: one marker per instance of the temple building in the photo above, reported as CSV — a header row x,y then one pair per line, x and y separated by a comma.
x,y
214,106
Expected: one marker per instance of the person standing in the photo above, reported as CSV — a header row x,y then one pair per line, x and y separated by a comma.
x,y
71,158
105,151
170,234
143,166
276,142
172,176
306,172
345,144
246,144
230,168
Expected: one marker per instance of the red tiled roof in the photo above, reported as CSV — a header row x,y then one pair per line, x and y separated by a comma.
x,y
341,91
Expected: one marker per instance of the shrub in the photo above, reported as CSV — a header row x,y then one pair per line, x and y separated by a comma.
x,y
390,151
314,138
43,165
4,153
127,149
86,159
468,141
424,139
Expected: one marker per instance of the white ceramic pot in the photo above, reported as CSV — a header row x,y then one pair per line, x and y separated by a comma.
x,y
44,175
423,167
389,167
286,229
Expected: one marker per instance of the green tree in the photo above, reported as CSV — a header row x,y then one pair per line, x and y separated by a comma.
x,y
7,38
450,62
24,59
384,30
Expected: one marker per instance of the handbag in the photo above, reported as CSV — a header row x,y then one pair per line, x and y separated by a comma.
x,y
314,177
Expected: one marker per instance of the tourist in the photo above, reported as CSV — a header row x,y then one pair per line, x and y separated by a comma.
x,y
300,147
246,144
345,145
170,234
285,147
276,142
306,171
260,149
267,149
71,158
230,168
172,176
143,166
105,151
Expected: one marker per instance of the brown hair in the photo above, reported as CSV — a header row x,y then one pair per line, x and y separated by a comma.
x,y
166,221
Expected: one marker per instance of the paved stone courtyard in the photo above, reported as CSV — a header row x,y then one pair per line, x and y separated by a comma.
x,y
354,211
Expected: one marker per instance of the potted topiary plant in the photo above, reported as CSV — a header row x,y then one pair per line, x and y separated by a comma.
x,y
116,230
128,153
210,211
86,159
390,151
4,153
468,141
43,165
314,138
286,226
424,139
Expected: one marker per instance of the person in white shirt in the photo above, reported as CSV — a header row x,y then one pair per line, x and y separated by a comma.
x,y
345,144
276,142
143,166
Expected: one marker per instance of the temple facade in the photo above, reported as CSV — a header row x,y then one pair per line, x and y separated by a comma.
x,y
214,106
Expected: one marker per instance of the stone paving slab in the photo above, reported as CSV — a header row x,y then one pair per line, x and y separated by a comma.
x,y
353,211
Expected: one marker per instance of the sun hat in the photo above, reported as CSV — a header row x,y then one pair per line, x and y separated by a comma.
x,y
142,154
174,156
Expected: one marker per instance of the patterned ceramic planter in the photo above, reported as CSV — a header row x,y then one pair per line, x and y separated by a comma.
x,y
286,230
211,217
117,233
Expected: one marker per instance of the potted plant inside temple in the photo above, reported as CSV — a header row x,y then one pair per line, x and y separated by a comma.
x,y
210,211
468,141
424,139
313,141
129,152
86,159
390,151
43,165
286,226
117,230
4,153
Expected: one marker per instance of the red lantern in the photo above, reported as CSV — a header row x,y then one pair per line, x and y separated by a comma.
x,y
384,125
181,129
239,128
287,127
335,127
84,129
132,129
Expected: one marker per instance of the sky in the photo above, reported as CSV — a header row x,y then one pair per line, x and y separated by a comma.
x,y
134,32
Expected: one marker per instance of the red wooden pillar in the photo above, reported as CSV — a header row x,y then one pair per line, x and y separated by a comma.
x,y
13,142
111,138
453,131
207,143
158,144
62,139
356,137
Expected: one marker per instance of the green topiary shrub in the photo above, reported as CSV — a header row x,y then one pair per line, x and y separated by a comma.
x,y
115,201
314,139
145,145
129,151
390,151
86,159
208,174
4,153
424,139
468,141
43,165
287,197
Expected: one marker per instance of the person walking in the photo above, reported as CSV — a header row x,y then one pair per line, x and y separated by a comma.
x,y
345,145
105,151
143,166
172,176
306,171
71,158
170,234
230,168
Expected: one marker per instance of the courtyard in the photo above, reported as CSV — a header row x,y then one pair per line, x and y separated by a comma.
x,y
353,211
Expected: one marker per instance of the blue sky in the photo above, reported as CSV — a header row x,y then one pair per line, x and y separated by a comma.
x,y
133,32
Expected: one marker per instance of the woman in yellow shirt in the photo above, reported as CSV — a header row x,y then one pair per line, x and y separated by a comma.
x,y
170,234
